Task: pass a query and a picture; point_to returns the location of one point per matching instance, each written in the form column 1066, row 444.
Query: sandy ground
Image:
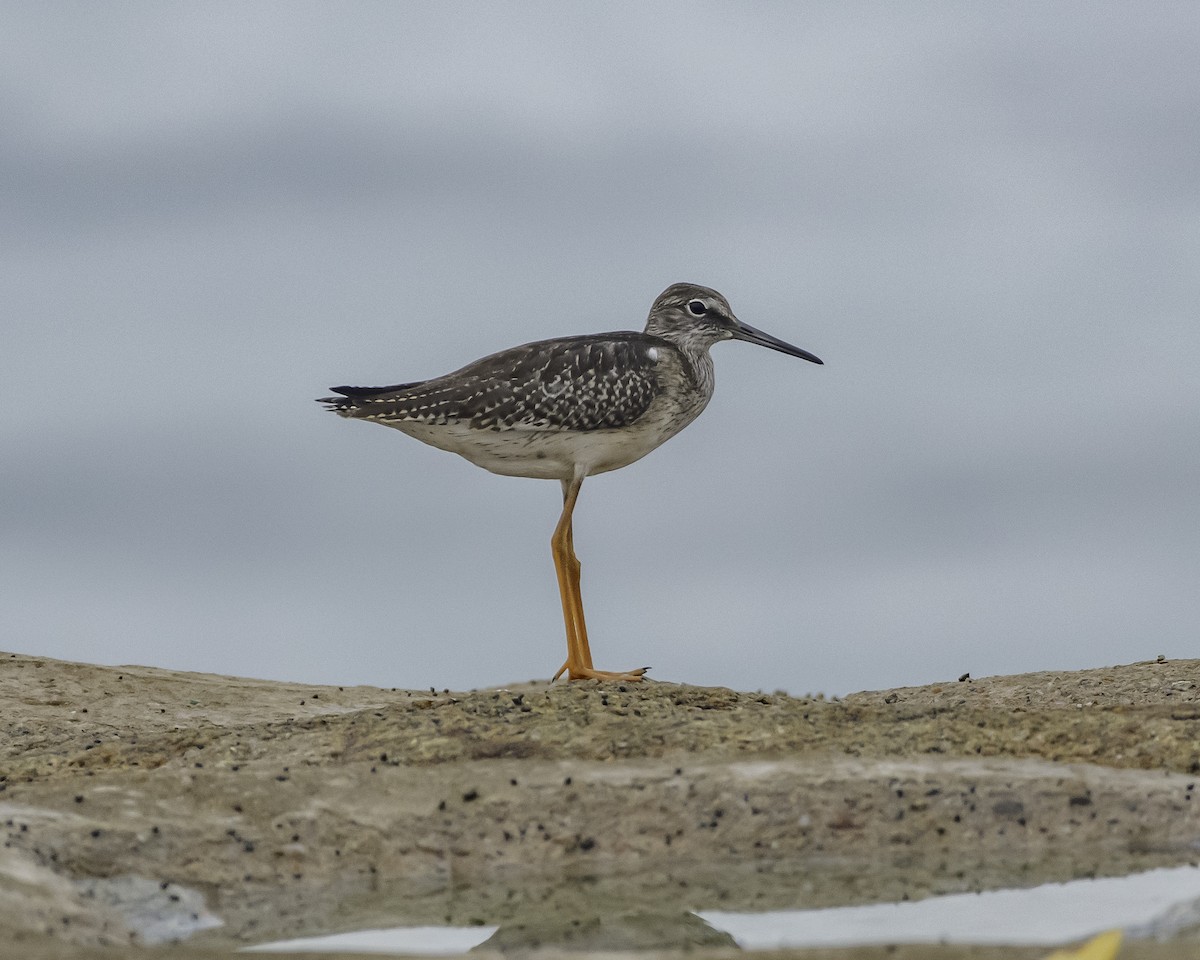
column 136, row 803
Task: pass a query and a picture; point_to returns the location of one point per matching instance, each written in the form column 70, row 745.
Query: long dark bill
column 743, row 331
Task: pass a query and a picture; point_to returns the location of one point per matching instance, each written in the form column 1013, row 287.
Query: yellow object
column 1103, row 947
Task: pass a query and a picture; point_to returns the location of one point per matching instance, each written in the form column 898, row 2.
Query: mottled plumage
column 576, row 383
column 569, row 408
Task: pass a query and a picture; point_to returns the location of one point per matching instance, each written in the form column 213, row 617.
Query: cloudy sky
column 985, row 218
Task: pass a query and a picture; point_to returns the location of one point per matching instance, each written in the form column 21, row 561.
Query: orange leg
column 566, row 565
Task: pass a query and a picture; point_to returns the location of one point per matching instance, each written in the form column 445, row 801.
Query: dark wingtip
column 348, row 391
column 337, row 404
column 346, row 400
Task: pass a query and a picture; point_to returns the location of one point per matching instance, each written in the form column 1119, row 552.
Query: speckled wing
column 599, row 382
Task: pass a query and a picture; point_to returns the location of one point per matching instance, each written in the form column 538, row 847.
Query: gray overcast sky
column 985, row 218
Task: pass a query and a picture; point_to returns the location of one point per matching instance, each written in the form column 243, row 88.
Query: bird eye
column 697, row 307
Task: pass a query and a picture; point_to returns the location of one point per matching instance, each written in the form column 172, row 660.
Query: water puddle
column 426, row 940
column 1158, row 903
column 1050, row 914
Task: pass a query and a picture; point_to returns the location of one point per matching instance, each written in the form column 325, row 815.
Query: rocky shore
column 143, row 807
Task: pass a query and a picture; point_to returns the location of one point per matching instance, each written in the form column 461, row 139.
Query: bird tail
column 348, row 402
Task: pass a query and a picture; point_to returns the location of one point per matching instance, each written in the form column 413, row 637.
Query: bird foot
column 588, row 673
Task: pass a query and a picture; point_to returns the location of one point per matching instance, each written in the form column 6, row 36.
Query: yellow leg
column 566, row 565
column 560, row 545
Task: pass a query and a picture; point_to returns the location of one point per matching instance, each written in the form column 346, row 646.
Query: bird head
column 694, row 318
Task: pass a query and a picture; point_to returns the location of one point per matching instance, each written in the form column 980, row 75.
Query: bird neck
column 691, row 344
column 698, row 365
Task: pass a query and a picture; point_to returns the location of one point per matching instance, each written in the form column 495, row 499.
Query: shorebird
column 570, row 408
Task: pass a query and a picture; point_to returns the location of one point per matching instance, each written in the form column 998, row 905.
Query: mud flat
column 141, row 807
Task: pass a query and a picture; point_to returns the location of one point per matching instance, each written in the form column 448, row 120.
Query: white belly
column 543, row 455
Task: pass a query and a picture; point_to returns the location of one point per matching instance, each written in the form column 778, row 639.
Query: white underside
column 543, row 454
